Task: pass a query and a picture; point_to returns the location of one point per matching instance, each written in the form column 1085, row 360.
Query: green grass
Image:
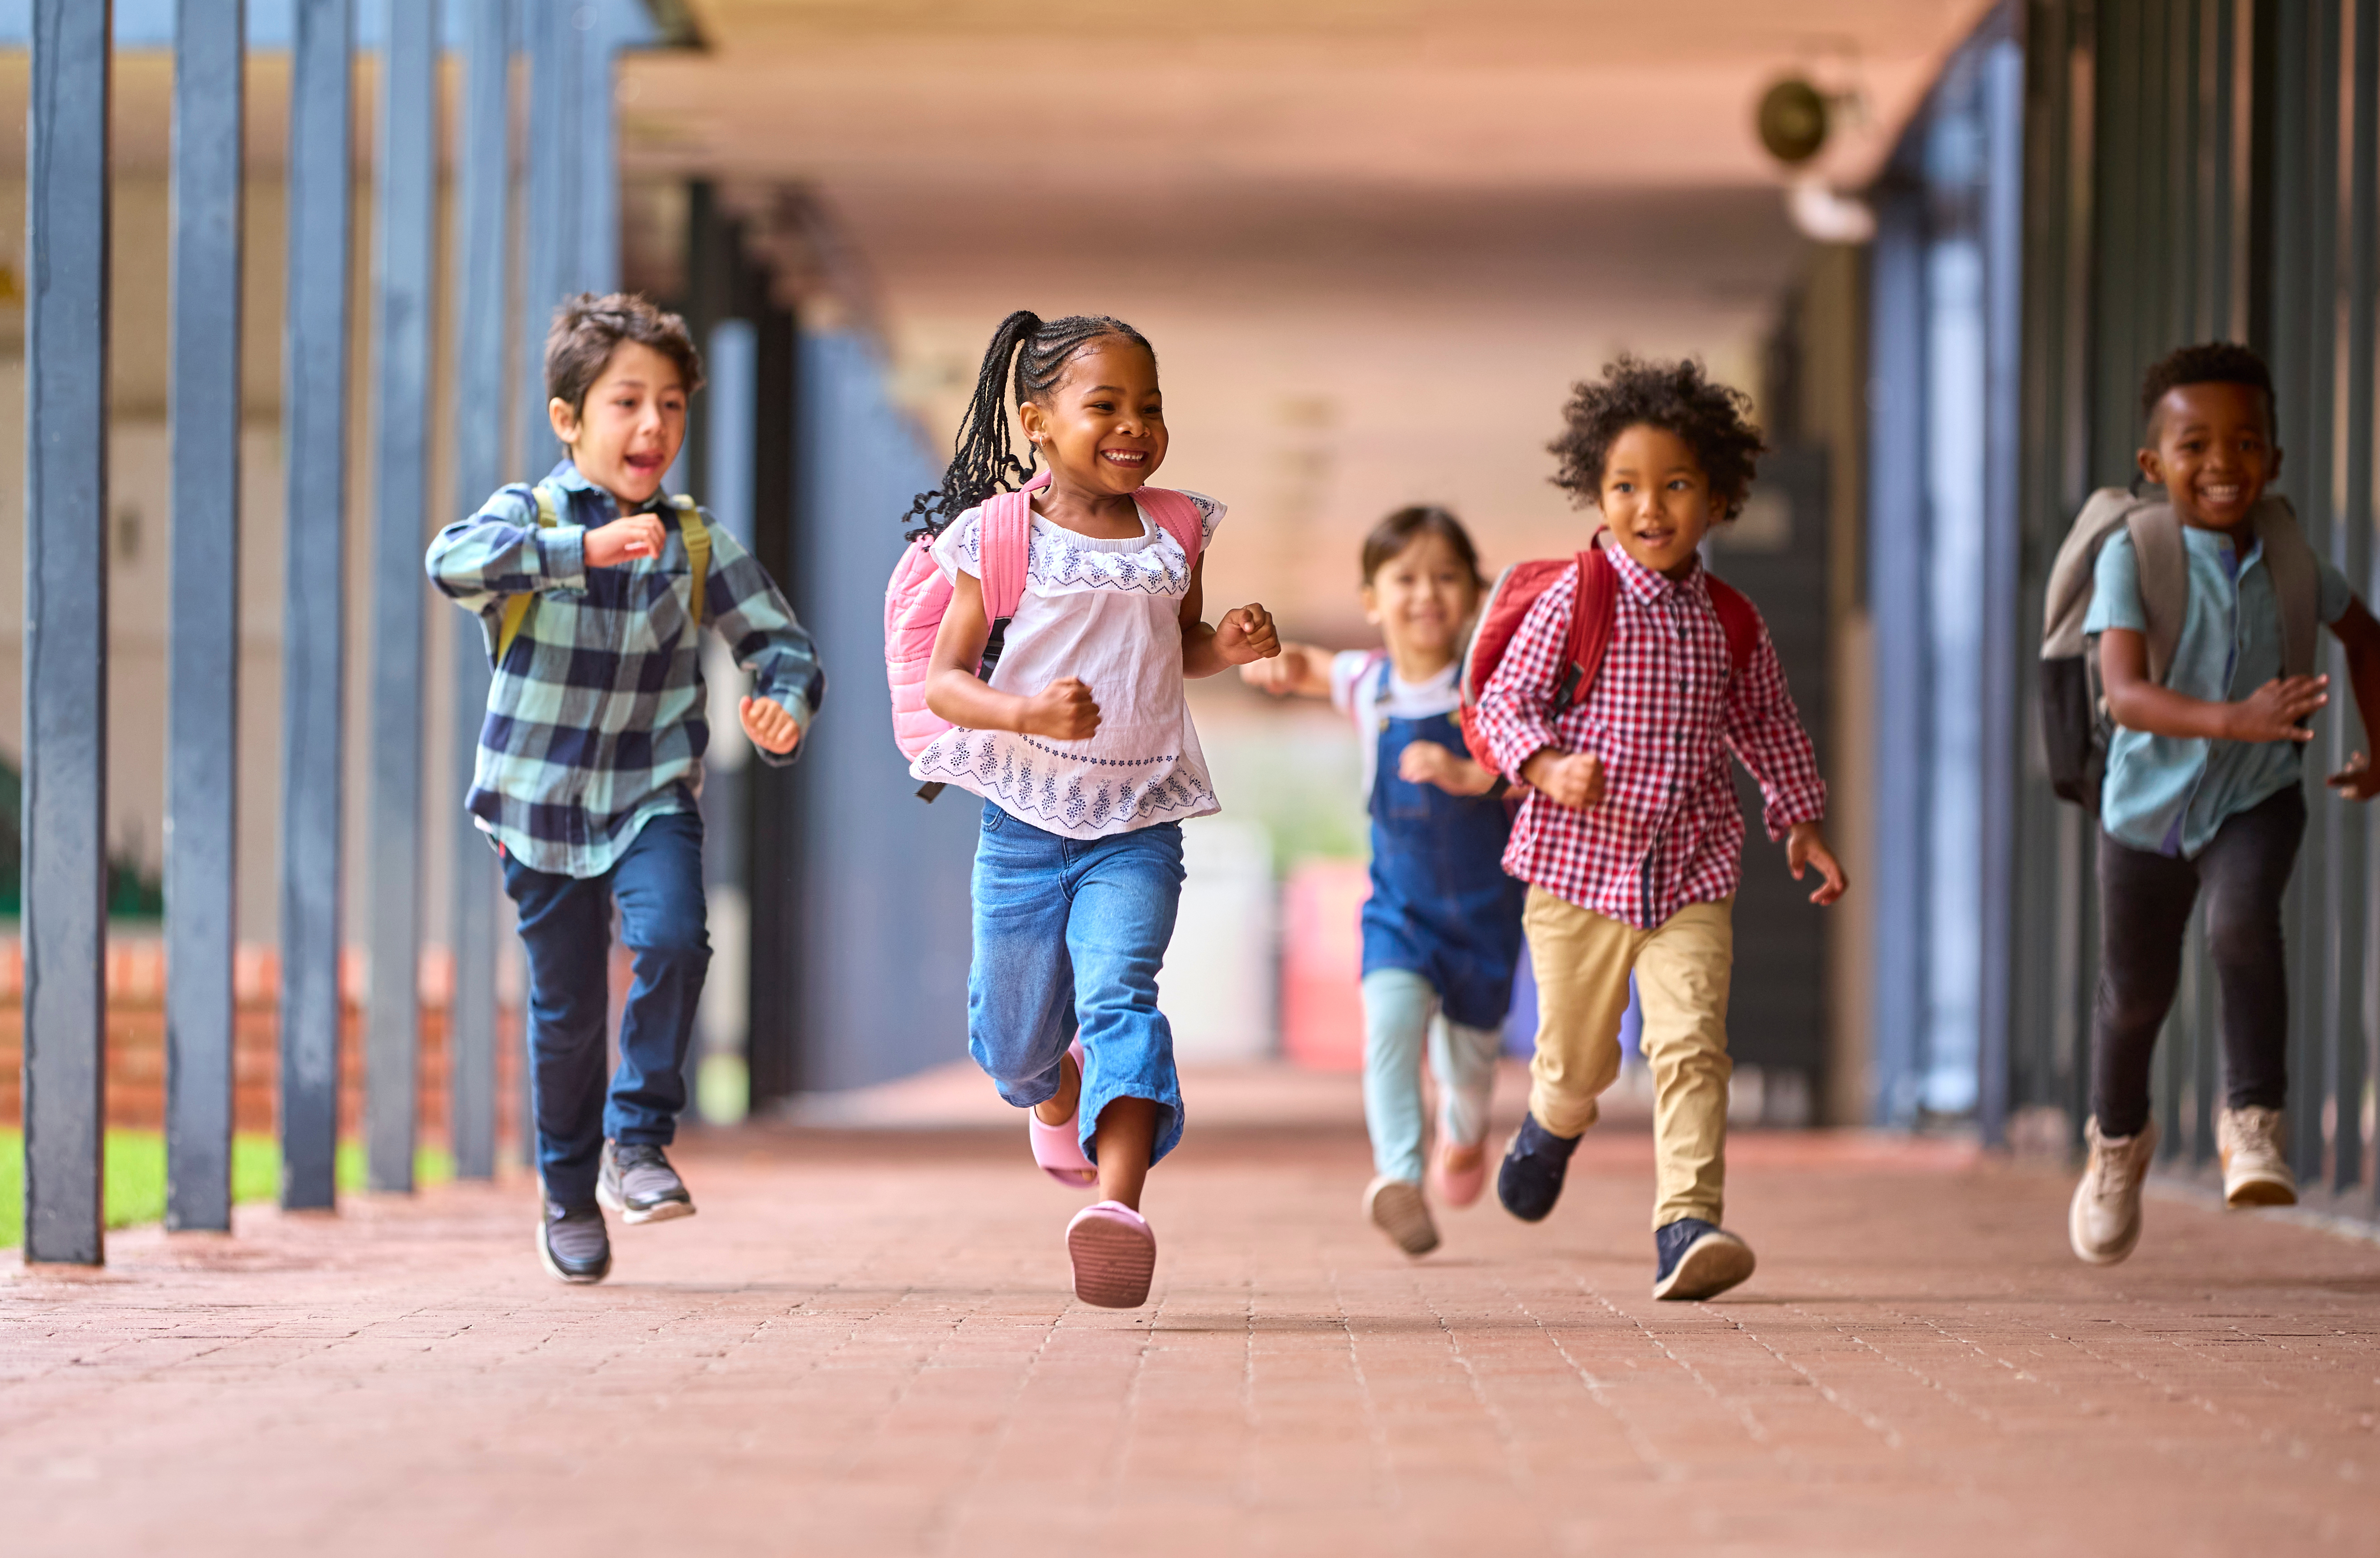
column 135, row 1175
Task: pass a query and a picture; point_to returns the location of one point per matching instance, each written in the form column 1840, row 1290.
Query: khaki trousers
column 1581, row 961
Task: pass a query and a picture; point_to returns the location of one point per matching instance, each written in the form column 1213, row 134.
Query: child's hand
column 1426, row 762
column 1280, row 675
column 1572, row 779
column 1246, row 634
column 2273, row 710
column 624, row 540
column 1062, row 711
column 1806, row 846
column 770, row 728
column 2357, row 781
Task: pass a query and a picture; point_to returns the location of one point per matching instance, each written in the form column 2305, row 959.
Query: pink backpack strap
column 1177, row 516
column 1005, row 546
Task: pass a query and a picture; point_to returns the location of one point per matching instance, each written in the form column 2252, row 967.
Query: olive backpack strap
column 697, row 537
column 516, row 607
column 2297, row 582
column 2164, row 570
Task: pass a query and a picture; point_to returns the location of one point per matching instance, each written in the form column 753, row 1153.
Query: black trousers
column 2144, row 903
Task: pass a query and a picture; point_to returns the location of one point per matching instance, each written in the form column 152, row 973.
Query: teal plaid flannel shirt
column 595, row 720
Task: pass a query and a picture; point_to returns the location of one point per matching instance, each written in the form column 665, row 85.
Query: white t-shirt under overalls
column 1110, row 613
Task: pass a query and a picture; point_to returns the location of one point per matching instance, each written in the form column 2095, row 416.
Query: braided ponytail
column 984, row 461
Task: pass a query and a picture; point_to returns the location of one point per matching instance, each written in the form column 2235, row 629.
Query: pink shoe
column 1115, row 1255
column 1460, row 1187
column 1058, row 1149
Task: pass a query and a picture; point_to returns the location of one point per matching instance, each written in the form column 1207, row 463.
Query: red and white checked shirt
column 1662, row 715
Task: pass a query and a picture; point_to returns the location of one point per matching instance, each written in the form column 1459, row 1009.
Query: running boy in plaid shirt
column 1629, row 837
column 593, row 587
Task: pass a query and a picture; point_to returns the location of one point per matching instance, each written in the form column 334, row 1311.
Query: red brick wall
column 136, row 1044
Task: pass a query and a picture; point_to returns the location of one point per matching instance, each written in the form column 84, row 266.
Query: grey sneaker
column 637, row 1183
column 2104, row 1220
column 572, row 1243
column 2255, row 1171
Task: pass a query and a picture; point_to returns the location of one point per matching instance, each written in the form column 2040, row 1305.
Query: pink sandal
column 1058, row 1149
column 1115, row 1255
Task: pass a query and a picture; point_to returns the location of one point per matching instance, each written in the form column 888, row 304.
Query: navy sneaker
column 1697, row 1260
column 572, row 1243
column 1531, row 1180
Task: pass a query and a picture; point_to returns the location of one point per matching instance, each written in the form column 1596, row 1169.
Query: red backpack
column 1592, row 615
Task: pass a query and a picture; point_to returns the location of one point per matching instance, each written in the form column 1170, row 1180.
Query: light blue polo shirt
column 2170, row 794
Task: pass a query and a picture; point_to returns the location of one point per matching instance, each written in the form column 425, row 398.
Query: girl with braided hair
column 1067, row 717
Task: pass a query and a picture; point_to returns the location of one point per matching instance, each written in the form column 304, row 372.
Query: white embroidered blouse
column 1108, row 612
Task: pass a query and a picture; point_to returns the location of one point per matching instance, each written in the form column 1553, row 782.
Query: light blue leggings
column 1399, row 1011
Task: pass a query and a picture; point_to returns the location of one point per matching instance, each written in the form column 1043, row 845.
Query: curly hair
column 984, row 463
column 2210, row 362
column 1679, row 397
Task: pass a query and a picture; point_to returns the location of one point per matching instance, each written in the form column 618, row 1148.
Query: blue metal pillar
column 202, row 713
column 1896, row 530
column 313, row 658
column 405, row 235
column 599, row 27
column 483, row 173
column 2004, row 638
column 2348, row 1014
column 65, row 819
column 553, row 263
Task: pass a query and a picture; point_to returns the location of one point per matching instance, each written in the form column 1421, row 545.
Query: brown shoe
column 1396, row 1208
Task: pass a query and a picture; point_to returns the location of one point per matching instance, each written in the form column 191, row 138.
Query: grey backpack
column 2074, row 723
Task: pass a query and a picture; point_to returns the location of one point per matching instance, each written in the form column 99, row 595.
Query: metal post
column 2352, row 551
column 1896, row 593
column 313, row 658
column 403, row 232
column 552, row 243
column 481, row 347
column 2316, row 960
column 2002, row 754
column 202, row 713
column 598, row 138
column 65, row 819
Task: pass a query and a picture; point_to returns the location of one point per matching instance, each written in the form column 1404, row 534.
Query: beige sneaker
column 2104, row 1221
column 1396, row 1208
column 2255, row 1171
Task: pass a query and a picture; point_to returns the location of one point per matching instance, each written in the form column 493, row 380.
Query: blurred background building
column 1375, row 244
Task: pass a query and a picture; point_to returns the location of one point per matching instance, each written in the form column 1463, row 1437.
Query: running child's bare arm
column 2359, row 635
column 1245, row 635
column 1298, row 671
column 2269, row 714
column 1064, row 711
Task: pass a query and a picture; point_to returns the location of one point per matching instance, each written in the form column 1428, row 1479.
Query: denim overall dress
column 1442, row 904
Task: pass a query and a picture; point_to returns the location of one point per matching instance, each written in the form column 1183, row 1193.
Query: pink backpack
column 918, row 595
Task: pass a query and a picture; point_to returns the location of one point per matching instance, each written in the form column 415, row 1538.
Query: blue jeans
column 566, row 923
column 1401, row 1014
column 1069, row 933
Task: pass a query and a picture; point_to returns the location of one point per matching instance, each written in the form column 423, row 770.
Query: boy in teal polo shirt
column 2203, row 791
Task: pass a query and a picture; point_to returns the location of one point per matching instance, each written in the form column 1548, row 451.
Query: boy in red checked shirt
column 1630, row 835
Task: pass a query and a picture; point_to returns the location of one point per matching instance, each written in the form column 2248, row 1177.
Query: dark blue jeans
column 566, row 923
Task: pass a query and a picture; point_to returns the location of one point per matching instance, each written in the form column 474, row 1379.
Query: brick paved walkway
column 864, row 1347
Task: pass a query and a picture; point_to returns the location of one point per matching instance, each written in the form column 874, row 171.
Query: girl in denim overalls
column 1442, row 928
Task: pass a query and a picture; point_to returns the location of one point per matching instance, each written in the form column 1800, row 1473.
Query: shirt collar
column 1647, row 586
column 2217, row 545
column 570, row 479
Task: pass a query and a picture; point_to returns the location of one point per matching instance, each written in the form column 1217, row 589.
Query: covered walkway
column 864, row 1347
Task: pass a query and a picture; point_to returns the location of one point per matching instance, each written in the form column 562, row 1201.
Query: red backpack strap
column 1738, row 618
column 1177, row 516
column 1005, row 545
column 1591, row 616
